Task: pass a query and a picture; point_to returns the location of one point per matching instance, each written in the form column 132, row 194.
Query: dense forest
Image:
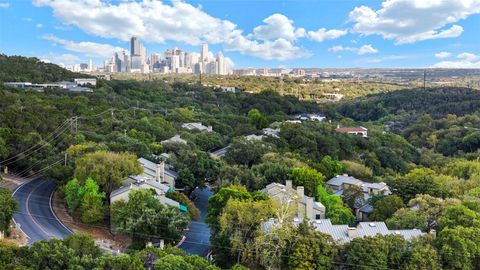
column 423, row 143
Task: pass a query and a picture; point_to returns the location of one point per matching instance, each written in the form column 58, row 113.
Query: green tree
column 8, row 206
column 309, row 178
column 247, row 152
column 91, row 206
column 330, row 167
column 353, row 196
column 367, row 253
column 257, row 119
column 144, row 218
column 459, row 247
column 312, row 250
column 72, row 195
column 385, row 207
column 109, row 169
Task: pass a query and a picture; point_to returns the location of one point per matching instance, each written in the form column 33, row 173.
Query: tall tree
column 8, row 206
column 109, row 169
column 309, row 178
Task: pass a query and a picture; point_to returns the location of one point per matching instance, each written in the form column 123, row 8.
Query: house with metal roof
column 161, row 173
column 343, row 234
column 197, row 126
column 341, row 182
column 174, row 139
column 285, row 194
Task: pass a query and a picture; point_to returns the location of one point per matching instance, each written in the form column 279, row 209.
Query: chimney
column 288, row 184
column 352, row 232
column 338, row 126
column 300, row 192
column 309, row 208
column 433, row 233
column 159, row 171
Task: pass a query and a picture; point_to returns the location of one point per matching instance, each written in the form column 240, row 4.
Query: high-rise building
column 134, row 46
column 221, row 69
column 90, row 64
column 204, row 53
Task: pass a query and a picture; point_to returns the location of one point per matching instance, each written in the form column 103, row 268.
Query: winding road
column 35, row 216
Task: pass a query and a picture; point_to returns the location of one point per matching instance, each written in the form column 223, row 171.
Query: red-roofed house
column 353, row 130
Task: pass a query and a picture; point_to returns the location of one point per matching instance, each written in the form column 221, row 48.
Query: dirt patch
column 18, row 237
column 101, row 233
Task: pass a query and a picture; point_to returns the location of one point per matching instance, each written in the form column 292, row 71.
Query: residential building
column 343, row 234
column 272, row 132
column 197, row 126
column 306, row 206
column 174, row 139
column 161, row 173
column 311, row 116
column 339, row 183
column 85, row 81
column 353, row 130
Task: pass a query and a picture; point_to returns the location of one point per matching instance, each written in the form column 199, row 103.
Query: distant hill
column 31, row 69
column 412, row 103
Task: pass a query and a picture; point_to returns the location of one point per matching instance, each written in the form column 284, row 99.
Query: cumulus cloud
column 410, row 21
column 457, row 64
column 90, row 49
column 323, row 34
column 468, row 56
column 4, row 5
column 365, row 49
column 443, row 55
column 156, row 22
column 278, row 26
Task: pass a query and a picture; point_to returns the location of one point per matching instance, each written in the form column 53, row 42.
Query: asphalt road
column 35, row 215
column 198, row 236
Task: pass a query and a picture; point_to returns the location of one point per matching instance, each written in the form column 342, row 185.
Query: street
column 35, row 216
column 198, row 236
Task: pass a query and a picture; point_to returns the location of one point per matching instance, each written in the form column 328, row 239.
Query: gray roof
column 339, row 233
column 142, row 182
column 343, row 179
column 150, row 167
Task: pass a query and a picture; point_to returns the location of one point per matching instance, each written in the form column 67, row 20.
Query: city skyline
column 294, row 34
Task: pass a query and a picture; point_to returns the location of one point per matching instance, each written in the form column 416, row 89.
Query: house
column 220, row 152
column 311, row 117
column 353, row 130
column 174, row 139
column 307, row 207
column 254, row 137
column 160, row 193
column 340, row 182
column 343, row 234
column 160, row 173
column 85, row 81
column 272, row 132
column 197, row 126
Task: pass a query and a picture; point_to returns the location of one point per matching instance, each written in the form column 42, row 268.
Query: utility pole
column 66, row 156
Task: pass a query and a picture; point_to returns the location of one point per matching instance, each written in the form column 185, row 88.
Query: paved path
column 198, row 236
column 35, row 215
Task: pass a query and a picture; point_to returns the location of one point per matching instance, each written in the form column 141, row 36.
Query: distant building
column 272, row 132
column 353, row 130
column 161, row 173
column 362, row 208
column 174, row 139
column 343, row 234
column 197, row 126
column 306, row 207
column 85, row 81
column 312, row 117
column 254, row 137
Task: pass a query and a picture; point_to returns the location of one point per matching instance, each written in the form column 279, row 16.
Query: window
column 318, row 217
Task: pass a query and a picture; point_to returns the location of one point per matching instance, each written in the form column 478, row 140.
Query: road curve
column 35, row 216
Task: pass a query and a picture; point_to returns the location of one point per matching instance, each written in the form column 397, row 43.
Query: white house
column 311, row 116
column 84, row 81
column 306, row 206
column 160, row 173
column 197, row 126
column 272, row 132
column 174, row 139
column 353, row 130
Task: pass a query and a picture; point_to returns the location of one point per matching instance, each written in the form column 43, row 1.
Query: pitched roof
column 351, row 129
column 344, row 179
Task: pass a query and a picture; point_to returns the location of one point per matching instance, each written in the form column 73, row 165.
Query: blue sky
column 265, row 33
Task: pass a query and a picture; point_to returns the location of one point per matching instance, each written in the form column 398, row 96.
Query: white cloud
column 468, row 56
column 39, row 25
column 90, row 49
column 443, row 55
column 323, row 34
column 156, row 22
column 457, row 64
column 409, row 21
column 65, row 59
column 278, row 26
column 4, row 5
column 365, row 49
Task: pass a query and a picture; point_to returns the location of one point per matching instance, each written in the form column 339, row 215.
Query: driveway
column 198, row 236
column 35, row 216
